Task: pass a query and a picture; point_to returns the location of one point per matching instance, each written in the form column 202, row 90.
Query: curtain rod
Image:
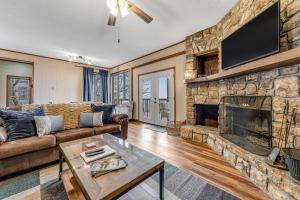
column 94, row 67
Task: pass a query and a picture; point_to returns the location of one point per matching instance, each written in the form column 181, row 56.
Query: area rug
column 156, row 128
column 179, row 185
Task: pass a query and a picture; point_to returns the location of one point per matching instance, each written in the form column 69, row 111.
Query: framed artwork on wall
column 19, row 90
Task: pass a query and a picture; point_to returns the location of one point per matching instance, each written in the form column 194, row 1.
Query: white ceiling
column 58, row 28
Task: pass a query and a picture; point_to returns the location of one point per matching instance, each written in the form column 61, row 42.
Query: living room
column 124, row 99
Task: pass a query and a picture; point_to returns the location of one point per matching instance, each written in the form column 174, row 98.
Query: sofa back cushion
column 70, row 112
column 49, row 124
column 19, row 128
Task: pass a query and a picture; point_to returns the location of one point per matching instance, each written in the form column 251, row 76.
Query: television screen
column 256, row 39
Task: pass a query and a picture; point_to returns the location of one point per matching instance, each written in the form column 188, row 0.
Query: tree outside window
column 120, row 87
column 97, row 88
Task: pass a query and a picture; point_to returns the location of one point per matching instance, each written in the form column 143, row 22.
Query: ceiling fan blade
column 144, row 16
column 111, row 20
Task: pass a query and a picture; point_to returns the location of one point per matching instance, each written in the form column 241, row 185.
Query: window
column 120, row 89
column 98, row 94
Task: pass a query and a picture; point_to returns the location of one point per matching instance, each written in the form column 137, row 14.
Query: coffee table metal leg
column 61, row 160
column 161, row 182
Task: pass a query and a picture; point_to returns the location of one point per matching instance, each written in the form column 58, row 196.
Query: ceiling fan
column 122, row 6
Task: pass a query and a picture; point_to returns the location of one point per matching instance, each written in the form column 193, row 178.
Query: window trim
column 112, row 76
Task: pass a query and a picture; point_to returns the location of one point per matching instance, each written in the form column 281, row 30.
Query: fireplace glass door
column 247, row 122
column 156, row 97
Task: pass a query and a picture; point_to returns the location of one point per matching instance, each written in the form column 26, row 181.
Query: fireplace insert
column 247, row 122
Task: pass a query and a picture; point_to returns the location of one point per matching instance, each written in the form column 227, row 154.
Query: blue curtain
column 88, row 84
column 104, row 83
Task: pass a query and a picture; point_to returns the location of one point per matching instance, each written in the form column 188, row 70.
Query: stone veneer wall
column 240, row 14
column 281, row 83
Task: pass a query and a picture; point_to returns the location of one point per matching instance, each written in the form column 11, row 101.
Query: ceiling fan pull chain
column 118, row 34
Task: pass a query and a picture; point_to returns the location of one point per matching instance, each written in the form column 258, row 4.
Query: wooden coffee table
column 141, row 165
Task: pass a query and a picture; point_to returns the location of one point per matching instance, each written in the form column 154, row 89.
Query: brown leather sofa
column 34, row 151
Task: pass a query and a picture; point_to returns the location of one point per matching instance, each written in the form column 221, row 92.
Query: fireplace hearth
column 247, row 122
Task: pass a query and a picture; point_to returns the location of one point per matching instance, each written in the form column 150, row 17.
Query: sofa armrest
column 122, row 119
column 119, row 117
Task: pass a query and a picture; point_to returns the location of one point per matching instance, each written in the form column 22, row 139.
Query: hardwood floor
column 198, row 159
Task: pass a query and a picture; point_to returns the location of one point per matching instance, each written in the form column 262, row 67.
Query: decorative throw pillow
column 124, row 108
column 9, row 114
column 3, row 135
column 19, row 128
column 107, row 112
column 1, row 122
column 28, row 115
column 38, row 111
column 48, row 124
column 90, row 119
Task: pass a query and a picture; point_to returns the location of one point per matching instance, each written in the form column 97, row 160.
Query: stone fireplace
column 247, row 122
column 251, row 104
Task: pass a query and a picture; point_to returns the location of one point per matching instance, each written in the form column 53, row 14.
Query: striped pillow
column 90, row 119
column 48, row 124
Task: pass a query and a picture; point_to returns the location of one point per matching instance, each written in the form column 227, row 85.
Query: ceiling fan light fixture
column 112, row 4
column 114, row 11
column 124, row 10
column 123, row 7
column 81, row 59
column 118, row 5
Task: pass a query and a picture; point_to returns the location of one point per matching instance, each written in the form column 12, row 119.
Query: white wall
column 178, row 62
column 54, row 80
column 15, row 69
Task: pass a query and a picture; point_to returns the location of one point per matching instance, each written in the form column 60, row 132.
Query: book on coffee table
column 107, row 151
column 101, row 167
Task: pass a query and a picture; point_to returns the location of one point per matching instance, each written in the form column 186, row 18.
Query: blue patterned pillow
column 9, row 114
column 19, row 128
column 107, row 112
column 38, row 111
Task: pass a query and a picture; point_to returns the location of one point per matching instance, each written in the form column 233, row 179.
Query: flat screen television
column 256, row 39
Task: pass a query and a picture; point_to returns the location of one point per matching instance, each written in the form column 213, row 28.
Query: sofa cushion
column 107, row 128
column 21, row 146
column 73, row 134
